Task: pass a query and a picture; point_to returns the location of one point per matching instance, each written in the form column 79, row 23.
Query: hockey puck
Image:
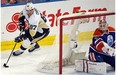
column 5, row 65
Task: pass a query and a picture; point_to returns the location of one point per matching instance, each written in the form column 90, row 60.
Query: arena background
column 9, row 19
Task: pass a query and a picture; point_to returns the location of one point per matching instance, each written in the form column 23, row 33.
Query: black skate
column 34, row 48
column 17, row 53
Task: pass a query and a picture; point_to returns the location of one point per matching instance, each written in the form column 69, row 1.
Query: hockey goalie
column 101, row 50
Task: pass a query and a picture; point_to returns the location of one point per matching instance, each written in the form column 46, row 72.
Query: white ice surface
column 27, row 64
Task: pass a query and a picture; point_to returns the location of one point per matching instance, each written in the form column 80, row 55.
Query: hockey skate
column 33, row 48
column 18, row 52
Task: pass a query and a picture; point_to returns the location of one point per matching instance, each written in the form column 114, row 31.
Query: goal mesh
column 59, row 53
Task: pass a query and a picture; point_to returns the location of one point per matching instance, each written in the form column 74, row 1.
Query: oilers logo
column 110, row 40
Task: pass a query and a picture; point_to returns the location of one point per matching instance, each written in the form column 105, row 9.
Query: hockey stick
column 5, row 64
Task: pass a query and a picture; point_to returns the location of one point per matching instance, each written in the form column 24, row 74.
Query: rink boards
column 48, row 41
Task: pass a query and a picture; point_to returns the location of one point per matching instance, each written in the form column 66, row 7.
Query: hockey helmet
column 103, row 25
column 29, row 6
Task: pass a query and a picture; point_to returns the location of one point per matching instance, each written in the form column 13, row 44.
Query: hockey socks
column 20, row 51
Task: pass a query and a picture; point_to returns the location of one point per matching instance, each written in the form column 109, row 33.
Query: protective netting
column 84, row 28
column 50, row 63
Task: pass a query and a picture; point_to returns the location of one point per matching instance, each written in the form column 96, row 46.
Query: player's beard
column 30, row 13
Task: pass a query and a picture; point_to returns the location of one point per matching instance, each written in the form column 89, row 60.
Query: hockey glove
column 22, row 28
column 108, row 50
column 22, row 23
column 18, row 39
column 111, row 52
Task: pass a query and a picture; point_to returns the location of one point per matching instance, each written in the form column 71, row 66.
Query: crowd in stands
column 11, row 2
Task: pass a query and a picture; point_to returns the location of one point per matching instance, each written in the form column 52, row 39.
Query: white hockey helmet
column 29, row 6
column 103, row 25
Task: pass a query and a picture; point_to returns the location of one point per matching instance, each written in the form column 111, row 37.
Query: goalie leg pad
column 90, row 67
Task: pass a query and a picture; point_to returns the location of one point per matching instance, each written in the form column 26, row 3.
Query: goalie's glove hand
column 18, row 39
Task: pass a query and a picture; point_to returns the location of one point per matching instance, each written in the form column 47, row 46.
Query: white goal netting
column 80, row 27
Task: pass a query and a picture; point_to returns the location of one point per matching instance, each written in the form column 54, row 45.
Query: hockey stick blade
column 5, row 65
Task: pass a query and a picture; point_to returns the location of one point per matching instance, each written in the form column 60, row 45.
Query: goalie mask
column 29, row 6
column 103, row 25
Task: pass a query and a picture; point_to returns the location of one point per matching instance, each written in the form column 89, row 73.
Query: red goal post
column 74, row 16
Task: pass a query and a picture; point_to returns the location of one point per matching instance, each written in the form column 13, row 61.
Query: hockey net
column 79, row 26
